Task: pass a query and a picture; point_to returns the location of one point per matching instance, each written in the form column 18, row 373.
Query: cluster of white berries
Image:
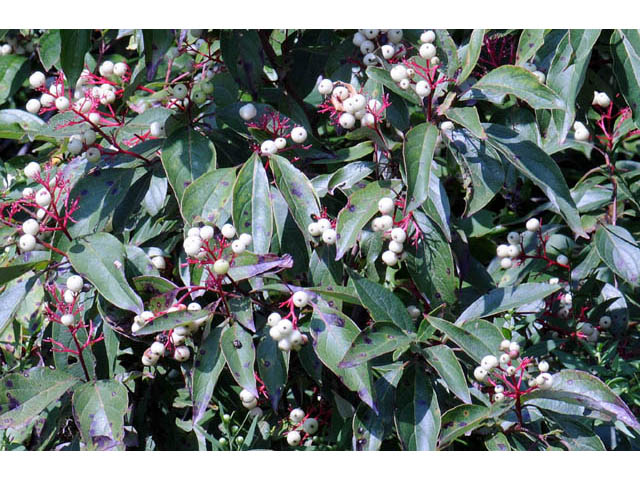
column 368, row 40
column 352, row 105
column 177, row 338
column 309, row 426
column 504, row 364
column 511, row 250
column 271, row 147
column 322, row 228
column 195, row 236
column 282, row 330
column 591, row 332
column 406, row 77
column 77, row 143
column 566, row 302
column 580, row 132
column 74, row 287
column 384, row 223
column 600, row 99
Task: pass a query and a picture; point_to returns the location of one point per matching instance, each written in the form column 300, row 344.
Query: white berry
column 247, row 112
column 325, row 87
column 221, row 266
column 67, row 320
column 237, row 247
column 329, row 236
column 228, row 231
column 37, row 80
column 533, row 224
column 390, row 258
column 385, row 205
column 299, row 134
column 192, row 245
column 31, row 226
column 427, row 51
column 182, row 353
column 300, row 299
column 294, row 438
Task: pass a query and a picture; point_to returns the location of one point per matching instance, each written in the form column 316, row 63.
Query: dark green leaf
column 619, row 250
column 75, row 43
column 444, row 361
column 419, row 145
column 374, row 341
column 418, row 415
column 240, row 355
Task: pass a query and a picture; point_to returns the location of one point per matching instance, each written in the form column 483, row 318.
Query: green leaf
column 12, row 74
column 100, row 258
column 471, row 54
column 534, row 163
column 206, row 198
column 373, row 342
column 186, row 156
column 567, row 73
column 619, row 250
column 240, row 355
column 99, row 409
column 243, row 56
column 208, row 365
column 518, row 81
column 333, row 333
column 447, row 52
column 75, row 43
column 467, row 117
column 444, row 361
column 625, row 52
column 18, row 124
column 580, row 388
column 472, row 345
column 504, row 299
column 98, row 197
column 576, row 435
column 419, row 146
column 418, row 415
column 382, row 304
column 530, row 41
column 24, row 395
column 432, row 254
column 483, row 174
column 272, row 367
column 498, row 443
column 49, row 48
column 169, row 321
column 12, row 272
column 360, row 208
column 252, row 210
column 297, row 191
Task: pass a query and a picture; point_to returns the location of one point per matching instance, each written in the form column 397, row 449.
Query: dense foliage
column 322, row 240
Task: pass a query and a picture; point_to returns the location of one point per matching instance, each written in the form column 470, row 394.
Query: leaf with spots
column 619, row 250
column 373, row 342
column 98, row 195
column 252, row 209
column 369, row 429
column 360, row 209
column 580, row 388
column 333, row 333
column 100, row 258
column 418, row 412
column 240, row 354
column 273, row 365
column 186, row 156
column 382, row 304
column 297, row 191
column 207, row 197
column 445, row 362
column 249, row 265
column 498, row 443
column 465, row 418
column 25, row 394
column 419, row 146
column 528, row 44
column 99, row 409
column 207, row 367
column 242, row 311
column 430, row 263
